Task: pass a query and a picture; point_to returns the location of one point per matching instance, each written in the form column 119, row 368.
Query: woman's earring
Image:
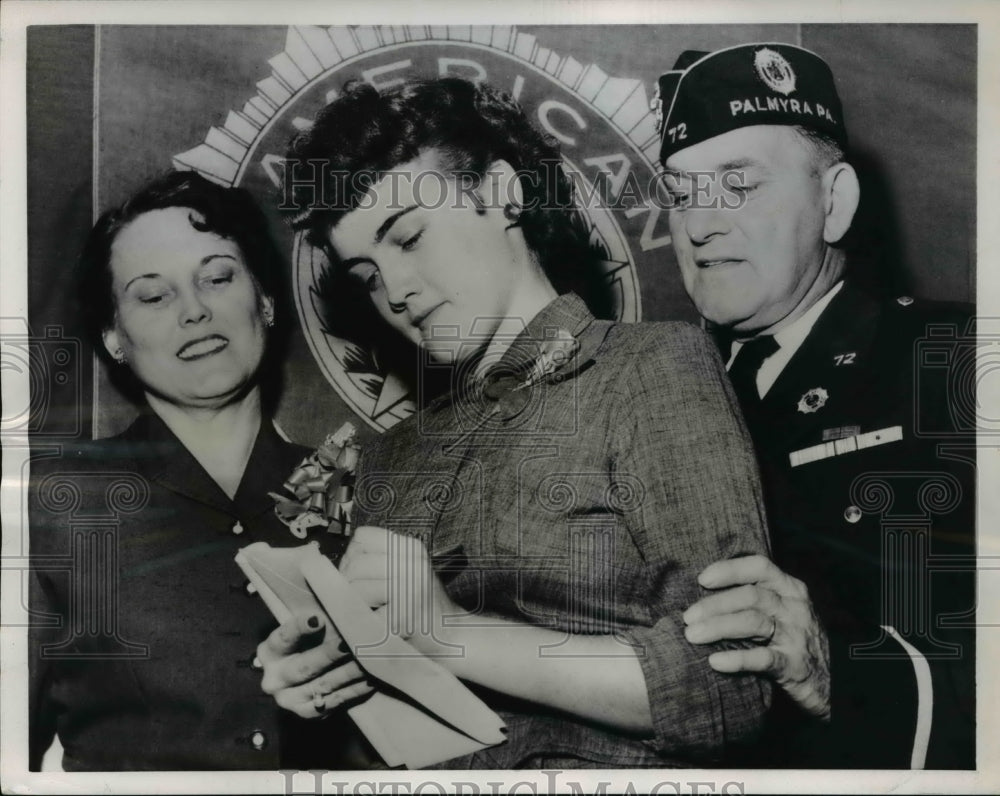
column 513, row 214
column 269, row 318
column 478, row 202
column 119, row 357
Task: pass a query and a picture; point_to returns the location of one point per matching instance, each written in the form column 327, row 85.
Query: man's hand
column 760, row 602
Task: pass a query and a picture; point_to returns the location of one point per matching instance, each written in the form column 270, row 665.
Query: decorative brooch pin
column 555, row 355
column 323, row 485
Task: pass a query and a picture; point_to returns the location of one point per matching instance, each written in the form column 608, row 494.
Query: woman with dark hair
column 228, row 213
column 583, row 472
column 143, row 652
column 469, row 138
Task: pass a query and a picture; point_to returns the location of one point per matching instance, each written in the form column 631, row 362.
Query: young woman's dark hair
column 366, row 132
column 230, row 213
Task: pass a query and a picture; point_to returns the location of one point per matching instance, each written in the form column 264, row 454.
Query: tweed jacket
column 144, row 633
column 588, row 502
column 869, row 477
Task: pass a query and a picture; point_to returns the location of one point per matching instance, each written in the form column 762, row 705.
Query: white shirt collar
column 789, row 339
column 791, row 336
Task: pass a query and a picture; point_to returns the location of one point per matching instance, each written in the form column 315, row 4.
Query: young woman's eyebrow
column 137, row 278
column 381, row 232
column 209, row 257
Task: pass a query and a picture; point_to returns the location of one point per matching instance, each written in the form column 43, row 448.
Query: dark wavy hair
column 230, row 213
column 367, row 132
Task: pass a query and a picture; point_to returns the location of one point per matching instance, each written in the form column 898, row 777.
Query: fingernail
column 313, row 622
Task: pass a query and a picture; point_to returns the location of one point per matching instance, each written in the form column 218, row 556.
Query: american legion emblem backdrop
column 110, row 107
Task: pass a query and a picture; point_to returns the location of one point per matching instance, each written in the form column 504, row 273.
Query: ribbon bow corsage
column 323, row 485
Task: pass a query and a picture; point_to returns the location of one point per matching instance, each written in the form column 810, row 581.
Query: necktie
column 743, row 373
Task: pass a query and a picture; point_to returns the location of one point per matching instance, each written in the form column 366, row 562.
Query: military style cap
column 707, row 94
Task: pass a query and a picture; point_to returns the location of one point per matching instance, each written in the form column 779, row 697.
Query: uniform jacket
column 144, row 636
column 588, row 502
column 882, row 532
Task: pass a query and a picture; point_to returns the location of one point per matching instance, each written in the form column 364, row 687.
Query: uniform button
column 258, row 740
column 852, row 514
column 238, row 527
column 256, row 663
column 250, row 588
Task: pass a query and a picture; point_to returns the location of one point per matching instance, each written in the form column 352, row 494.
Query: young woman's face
column 189, row 315
column 440, row 269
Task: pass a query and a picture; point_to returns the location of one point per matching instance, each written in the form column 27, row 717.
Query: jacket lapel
column 160, row 457
column 819, row 388
column 270, row 455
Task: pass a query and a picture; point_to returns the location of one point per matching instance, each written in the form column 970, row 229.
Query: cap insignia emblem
column 773, row 68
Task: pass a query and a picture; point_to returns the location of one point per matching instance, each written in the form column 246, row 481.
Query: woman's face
column 438, row 270
column 189, row 316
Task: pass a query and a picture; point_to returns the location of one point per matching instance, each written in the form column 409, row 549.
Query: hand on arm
column 594, row 677
column 757, row 601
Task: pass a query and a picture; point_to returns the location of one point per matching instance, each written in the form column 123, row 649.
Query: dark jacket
column 144, row 634
column 882, row 535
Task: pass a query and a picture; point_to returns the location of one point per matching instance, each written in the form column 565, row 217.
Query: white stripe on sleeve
column 925, row 699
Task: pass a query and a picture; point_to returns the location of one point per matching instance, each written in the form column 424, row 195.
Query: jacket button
column 258, row 740
column 250, row 588
column 237, row 527
column 852, row 514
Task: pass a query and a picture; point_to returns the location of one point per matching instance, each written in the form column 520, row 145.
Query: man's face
column 748, row 229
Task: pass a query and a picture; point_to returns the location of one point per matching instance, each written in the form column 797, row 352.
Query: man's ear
column 112, row 343
column 501, row 186
column 841, row 194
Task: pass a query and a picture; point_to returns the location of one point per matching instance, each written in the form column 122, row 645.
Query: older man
column 865, row 614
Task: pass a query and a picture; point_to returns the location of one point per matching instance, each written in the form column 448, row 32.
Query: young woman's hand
column 393, row 572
